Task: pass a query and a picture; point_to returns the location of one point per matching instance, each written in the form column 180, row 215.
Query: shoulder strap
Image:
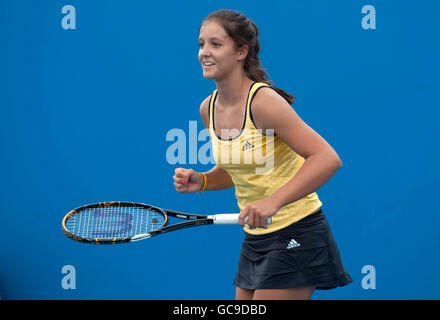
column 255, row 87
column 211, row 109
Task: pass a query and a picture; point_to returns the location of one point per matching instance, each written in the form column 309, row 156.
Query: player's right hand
column 187, row 180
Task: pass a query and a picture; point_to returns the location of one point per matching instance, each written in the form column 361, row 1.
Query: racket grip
column 232, row 218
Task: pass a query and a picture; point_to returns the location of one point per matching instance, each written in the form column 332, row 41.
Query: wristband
column 205, row 182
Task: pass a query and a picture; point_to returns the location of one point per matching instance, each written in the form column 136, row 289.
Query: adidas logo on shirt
column 247, row 145
column 293, row 244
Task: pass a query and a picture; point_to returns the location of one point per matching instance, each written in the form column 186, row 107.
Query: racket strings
column 114, row 222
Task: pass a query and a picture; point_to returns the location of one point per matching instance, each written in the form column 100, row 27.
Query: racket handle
column 232, row 218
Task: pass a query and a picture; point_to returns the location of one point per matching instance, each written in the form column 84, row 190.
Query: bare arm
column 271, row 111
column 188, row 180
column 322, row 161
column 217, row 177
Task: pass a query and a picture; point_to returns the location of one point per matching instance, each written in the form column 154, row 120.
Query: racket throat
column 141, row 236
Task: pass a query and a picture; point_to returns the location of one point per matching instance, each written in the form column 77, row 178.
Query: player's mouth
column 208, row 64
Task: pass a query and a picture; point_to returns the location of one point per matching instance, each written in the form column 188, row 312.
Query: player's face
column 217, row 53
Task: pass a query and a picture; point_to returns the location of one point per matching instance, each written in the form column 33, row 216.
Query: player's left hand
column 257, row 213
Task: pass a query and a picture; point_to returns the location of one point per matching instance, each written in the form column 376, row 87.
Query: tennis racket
column 122, row 222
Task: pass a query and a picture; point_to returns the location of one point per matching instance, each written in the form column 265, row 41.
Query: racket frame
column 194, row 220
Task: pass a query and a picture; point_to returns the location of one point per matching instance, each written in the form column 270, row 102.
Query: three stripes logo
column 247, row 145
column 293, row 244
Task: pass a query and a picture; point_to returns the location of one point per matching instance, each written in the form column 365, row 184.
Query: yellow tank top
column 259, row 164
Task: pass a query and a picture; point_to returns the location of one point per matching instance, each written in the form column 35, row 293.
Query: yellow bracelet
column 205, row 182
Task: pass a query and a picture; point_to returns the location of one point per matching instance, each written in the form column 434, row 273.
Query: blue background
column 85, row 113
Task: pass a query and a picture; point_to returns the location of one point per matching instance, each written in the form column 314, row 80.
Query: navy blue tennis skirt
column 301, row 255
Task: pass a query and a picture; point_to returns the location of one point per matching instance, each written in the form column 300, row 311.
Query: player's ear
column 242, row 52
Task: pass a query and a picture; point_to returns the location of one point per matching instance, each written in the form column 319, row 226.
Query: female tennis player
column 248, row 118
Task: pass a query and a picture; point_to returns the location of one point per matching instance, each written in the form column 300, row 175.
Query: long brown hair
column 244, row 31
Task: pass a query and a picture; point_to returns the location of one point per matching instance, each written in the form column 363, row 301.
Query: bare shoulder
column 269, row 109
column 204, row 110
column 268, row 94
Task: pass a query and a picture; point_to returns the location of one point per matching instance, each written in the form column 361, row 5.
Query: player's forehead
column 212, row 30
